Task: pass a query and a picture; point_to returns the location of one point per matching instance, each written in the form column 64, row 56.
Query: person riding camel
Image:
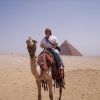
column 50, row 43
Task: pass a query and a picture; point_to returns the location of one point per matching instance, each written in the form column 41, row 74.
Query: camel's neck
column 33, row 66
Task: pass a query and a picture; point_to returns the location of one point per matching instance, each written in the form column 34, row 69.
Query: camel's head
column 31, row 46
column 31, row 43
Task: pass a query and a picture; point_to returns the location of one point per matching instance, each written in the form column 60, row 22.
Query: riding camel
column 44, row 72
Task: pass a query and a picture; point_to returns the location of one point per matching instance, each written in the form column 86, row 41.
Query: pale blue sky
column 77, row 21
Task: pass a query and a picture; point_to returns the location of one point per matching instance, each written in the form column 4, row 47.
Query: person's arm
column 55, row 42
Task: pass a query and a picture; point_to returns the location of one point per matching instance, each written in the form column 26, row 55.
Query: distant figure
column 50, row 43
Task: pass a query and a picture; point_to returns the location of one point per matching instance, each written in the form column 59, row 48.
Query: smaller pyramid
column 68, row 49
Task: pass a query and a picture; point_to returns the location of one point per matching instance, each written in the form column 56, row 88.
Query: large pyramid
column 68, row 49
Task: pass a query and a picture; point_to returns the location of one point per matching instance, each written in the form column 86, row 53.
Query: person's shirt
column 52, row 39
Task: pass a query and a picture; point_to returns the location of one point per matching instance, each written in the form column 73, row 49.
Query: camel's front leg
column 38, row 81
column 50, row 89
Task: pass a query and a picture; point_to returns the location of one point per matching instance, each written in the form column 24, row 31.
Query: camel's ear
column 26, row 41
column 35, row 41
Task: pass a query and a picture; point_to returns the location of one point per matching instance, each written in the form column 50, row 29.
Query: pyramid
column 68, row 49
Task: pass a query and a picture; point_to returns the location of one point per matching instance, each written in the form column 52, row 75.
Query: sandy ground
column 82, row 77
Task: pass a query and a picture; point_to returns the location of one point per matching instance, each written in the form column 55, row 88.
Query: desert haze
column 82, row 78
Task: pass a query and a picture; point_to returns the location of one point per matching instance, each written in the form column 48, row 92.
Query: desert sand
column 82, row 77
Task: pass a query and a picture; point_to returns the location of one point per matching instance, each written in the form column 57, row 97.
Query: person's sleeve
column 56, row 40
column 42, row 42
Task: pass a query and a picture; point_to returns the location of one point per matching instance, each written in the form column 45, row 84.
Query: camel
column 43, row 76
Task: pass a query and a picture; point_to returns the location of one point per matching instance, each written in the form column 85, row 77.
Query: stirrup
column 61, row 73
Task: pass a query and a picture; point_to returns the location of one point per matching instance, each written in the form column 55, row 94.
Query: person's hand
column 43, row 45
column 54, row 46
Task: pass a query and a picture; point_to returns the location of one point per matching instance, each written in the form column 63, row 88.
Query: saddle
column 45, row 59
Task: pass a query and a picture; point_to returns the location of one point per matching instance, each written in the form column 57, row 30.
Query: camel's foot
column 51, row 96
column 45, row 85
column 39, row 97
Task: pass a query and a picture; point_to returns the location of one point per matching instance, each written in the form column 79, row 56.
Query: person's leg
column 57, row 59
column 62, row 65
column 59, row 64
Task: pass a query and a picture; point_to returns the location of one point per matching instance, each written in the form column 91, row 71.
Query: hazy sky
column 77, row 21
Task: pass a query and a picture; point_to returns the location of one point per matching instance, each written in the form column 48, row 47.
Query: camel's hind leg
column 50, row 89
column 38, row 81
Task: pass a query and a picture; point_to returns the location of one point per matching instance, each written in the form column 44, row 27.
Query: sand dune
column 82, row 77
